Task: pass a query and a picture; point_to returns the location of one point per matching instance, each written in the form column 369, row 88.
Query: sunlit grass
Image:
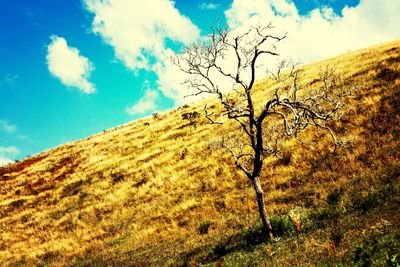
column 140, row 193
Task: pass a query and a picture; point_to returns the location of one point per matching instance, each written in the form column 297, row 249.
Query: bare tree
column 290, row 110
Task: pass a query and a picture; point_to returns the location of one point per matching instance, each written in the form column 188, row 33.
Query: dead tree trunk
column 288, row 113
column 261, row 207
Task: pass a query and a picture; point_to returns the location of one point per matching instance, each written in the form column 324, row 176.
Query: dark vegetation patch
column 117, row 177
column 392, row 60
column 286, row 158
column 67, row 161
column 12, row 206
column 361, row 196
column 293, row 182
column 192, row 119
column 392, row 50
column 190, row 115
column 379, row 248
column 69, row 164
column 313, row 82
column 242, row 241
column 361, row 73
column 16, row 204
column 346, row 209
column 204, row 227
column 388, row 75
column 72, row 189
column 387, row 118
column 142, row 179
column 41, row 185
column 19, row 166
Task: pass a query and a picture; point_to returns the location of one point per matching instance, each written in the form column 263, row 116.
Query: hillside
column 159, row 191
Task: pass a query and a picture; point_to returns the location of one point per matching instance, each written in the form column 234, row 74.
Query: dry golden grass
column 137, row 194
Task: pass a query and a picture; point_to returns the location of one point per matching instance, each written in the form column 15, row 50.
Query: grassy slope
column 140, row 194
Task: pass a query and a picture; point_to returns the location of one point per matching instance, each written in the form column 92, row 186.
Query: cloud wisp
column 147, row 103
column 7, row 127
column 6, row 153
column 71, row 68
column 208, row 6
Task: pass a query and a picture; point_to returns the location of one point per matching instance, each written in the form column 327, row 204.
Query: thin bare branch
column 208, row 116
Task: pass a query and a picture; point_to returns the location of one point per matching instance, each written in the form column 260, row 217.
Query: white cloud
column 6, row 153
column 138, row 29
column 208, row 6
column 7, row 127
column 147, row 103
column 8, row 150
column 322, row 33
column 69, row 66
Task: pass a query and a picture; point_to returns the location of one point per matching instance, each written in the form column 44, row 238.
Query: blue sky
column 71, row 68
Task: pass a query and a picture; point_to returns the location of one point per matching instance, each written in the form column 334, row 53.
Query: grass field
column 161, row 192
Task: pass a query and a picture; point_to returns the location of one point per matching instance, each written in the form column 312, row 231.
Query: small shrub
column 72, row 189
column 183, row 222
column 205, row 226
column 83, row 196
column 49, row 257
column 219, row 172
column 286, row 158
column 255, row 234
column 336, row 235
column 116, row 177
column 361, row 201
column 191, row 117
column 281, row 226
column 220, row 250
column 184, row 153
column 207, row 185
column 334, row 197
column 142, row 180
column 220, row 204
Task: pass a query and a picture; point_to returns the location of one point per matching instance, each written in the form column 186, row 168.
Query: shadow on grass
column 243, row 241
